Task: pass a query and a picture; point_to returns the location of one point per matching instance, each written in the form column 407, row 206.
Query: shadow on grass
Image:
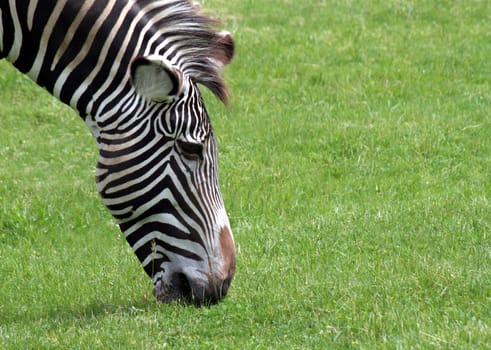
column 91, row 311
column 68, row 313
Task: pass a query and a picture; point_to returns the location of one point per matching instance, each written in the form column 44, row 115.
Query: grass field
column 355, row 163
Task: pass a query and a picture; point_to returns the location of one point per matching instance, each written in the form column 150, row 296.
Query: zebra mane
column 203, row 52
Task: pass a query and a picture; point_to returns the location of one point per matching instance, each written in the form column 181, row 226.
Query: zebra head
column 158, row 176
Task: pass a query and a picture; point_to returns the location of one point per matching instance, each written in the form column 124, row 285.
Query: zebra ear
column 155, row 78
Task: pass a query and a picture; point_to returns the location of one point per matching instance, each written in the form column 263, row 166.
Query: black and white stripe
column 131, row 69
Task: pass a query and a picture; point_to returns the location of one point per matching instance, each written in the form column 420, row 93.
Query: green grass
column 356, row 168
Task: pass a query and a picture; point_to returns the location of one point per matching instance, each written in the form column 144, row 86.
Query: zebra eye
column 190, row 150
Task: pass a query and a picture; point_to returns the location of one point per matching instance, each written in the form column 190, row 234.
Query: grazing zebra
column 131, row 69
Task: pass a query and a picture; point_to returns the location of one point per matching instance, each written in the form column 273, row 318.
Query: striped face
column 158, row 176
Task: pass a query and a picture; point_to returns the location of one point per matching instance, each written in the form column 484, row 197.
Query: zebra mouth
column 180, row 288
column 176, row 289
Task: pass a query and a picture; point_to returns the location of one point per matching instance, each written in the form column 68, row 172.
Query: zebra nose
column 196, row 291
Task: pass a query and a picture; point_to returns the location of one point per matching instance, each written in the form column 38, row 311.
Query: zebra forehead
column 192, row 120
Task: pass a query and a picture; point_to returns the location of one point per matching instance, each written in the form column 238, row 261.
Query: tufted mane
column 202, row 51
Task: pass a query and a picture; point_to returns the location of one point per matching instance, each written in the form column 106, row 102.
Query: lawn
column 355, row 164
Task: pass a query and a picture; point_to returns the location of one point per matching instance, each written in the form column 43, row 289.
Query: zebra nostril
column 192, row 291
column 180, row 284
column 183, row 282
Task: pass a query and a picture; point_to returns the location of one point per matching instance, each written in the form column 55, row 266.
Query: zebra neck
column 67, row 47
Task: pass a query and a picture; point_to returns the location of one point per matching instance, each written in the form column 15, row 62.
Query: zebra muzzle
column 201, row 282
column 181, row 287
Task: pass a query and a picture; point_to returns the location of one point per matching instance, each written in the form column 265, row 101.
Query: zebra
column 131, row 70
